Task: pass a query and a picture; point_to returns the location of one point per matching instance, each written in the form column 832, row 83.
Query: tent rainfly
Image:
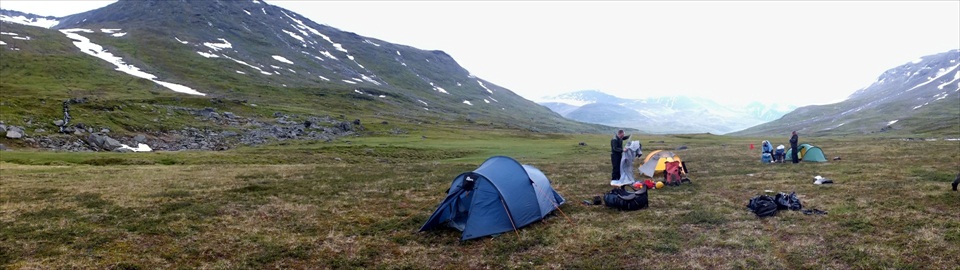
column 501, row 195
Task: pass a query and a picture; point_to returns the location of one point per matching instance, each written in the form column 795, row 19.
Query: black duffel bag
column 763, row 206
column 624, row 200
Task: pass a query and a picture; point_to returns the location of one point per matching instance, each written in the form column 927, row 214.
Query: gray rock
column 3, row 147
column 96, row 139
column 111, row 144
column 3, row 128
column 229, row 115
column 39, row 130
column 140, row 138
column 58, row 123
column 105, row 130
column 13, row 134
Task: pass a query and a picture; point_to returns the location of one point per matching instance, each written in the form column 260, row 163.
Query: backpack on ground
column 672, row 174
column 621, row 199
column 763, row 206
column 790, row 201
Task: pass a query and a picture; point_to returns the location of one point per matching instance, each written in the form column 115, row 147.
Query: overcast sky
column 796, row 52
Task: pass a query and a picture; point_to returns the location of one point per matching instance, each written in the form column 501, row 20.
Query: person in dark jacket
column 793, row 147
column 616, row 153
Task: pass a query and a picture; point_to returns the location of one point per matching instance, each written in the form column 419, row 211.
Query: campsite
column 359, row 202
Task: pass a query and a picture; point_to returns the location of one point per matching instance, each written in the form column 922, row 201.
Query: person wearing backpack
column 793, row 147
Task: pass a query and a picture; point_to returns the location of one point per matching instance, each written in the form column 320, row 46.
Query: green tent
column 808, row 153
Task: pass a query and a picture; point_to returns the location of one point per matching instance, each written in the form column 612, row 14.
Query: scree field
column 358, row 202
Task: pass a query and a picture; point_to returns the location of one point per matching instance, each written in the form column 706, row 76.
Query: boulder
column 345, row 126
column 140, row 138
column 95, row 139
column 14, row 134
column 58, row 123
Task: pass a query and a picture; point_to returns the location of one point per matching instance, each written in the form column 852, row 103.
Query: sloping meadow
column 360, row 204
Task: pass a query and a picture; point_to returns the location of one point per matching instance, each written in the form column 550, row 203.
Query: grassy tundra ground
column 360, row 203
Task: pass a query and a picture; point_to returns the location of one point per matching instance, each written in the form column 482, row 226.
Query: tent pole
column 555, row 205
column 510, row 216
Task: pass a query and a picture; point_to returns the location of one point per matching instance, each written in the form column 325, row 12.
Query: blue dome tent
column 501, row 195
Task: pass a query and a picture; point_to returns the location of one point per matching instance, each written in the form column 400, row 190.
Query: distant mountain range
column 920, row 98
column 673, row 115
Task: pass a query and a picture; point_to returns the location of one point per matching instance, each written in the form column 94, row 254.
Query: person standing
column 616, row 153
column 793, row 147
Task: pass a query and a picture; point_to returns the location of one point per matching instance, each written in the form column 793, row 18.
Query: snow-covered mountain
column 916, row 98
column 676, row 114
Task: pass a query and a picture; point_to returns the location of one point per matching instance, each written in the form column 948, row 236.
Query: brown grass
column 890, row 208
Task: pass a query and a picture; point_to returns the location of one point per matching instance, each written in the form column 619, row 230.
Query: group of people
column 768, row 154
column 617, row 150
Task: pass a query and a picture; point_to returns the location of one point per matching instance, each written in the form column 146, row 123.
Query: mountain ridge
column 663, row 114
column 265, row 59
column 917, row 98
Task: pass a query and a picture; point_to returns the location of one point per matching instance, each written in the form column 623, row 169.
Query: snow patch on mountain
column 249, row 65
column 97, row 51
column 219, row 46
column 282, row 59
column 485, row 87
column 940, row 73
column 294, row 35
column 439, row 89
column 208, row 55
column 38, row 22
column 956, row 76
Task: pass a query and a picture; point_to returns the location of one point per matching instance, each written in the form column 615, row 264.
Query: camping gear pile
column 819, row 180
column 779, row 155
column 765, row 206
column 660, row 163
column 805, row 152
column 501, row 195
column 766, row 152
column 667, row 163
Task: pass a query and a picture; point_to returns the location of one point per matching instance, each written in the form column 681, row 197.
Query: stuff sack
column 763, row 206
column 621, row 199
